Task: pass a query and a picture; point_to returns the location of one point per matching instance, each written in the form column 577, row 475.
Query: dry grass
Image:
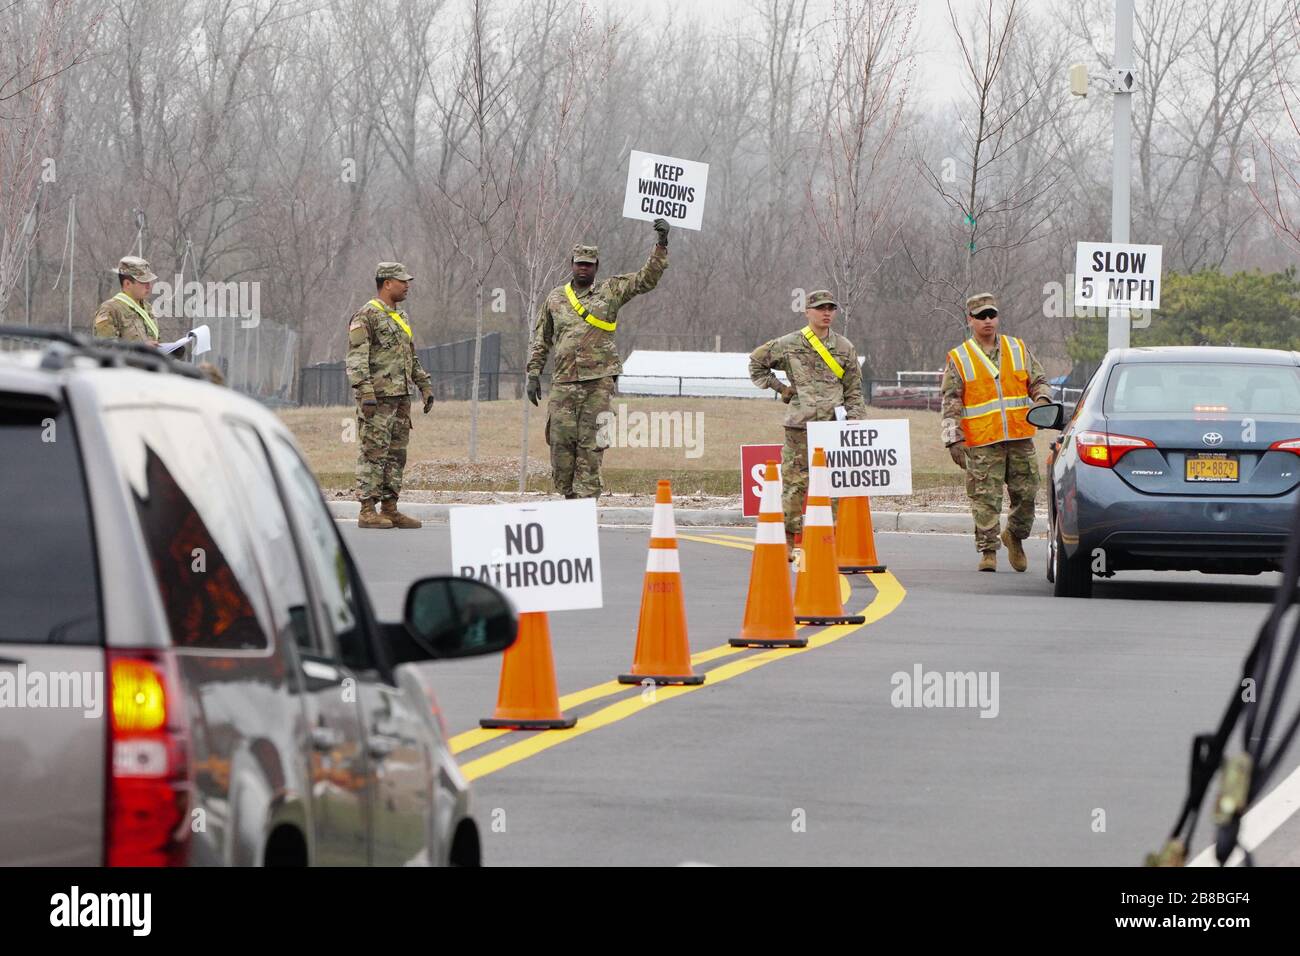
column 438, row 454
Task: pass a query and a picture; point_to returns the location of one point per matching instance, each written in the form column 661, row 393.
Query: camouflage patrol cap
column 392, row 270
column 585, row 253
column 981, row 302
column 821, row 297
column 133, row 267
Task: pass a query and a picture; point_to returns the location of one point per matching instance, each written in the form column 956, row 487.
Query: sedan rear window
column 1190, row 387
column 49, row 591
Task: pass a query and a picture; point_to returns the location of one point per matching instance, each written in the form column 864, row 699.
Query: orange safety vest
column 995, row 399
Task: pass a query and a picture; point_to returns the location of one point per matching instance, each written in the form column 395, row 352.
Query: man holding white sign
column 825, row 385
column 576, row 322
column 987, row 389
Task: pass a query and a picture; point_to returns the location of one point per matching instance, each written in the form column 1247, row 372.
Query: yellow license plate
column 1211, row 469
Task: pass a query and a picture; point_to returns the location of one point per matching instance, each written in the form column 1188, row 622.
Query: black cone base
column 759, row 642
column 838, row 619
column 660, row 679
column 501, row 723
column 861, row 569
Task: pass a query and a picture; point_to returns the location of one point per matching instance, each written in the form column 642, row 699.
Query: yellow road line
column 479, row 736
column 719, row 536
column 744, row 545
column 889, row 595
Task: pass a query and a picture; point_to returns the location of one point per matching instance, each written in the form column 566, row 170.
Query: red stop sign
column 753, row 464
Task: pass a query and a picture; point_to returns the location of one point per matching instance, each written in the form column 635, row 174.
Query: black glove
column 661, row 229
column 534, row 388
column 427, row 395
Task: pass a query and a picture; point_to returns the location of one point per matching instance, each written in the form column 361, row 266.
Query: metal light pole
column 1117, row 330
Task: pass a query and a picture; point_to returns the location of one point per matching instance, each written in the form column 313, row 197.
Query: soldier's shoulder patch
column 362, row 318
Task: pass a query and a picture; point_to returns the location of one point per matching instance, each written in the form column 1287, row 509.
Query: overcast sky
column 937, row 64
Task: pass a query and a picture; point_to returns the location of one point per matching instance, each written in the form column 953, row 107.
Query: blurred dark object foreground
column 1256, row 705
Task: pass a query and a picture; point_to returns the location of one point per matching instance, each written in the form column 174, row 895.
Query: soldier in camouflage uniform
column 814, row 392
column 1010, row 461
column 576, row 322
column 382, row 367
column 127, row 315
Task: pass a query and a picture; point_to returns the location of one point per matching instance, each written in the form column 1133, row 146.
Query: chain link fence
column 450, row 366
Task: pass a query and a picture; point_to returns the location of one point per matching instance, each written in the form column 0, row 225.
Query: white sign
column 546, row 556
column 667, row 188
column 865, row 458
column 1117, row 275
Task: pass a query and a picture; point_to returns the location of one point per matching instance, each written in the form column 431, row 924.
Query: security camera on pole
column 1122, row 85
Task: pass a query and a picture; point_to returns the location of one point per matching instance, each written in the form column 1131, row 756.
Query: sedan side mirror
column 449, row 617
column 1046, row 416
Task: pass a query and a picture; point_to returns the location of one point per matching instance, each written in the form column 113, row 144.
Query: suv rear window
column 48, row 576
column 202, row 560
column 1188, row 387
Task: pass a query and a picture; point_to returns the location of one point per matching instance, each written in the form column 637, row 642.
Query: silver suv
column 190, row 669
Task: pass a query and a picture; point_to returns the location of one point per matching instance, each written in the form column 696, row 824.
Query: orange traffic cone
column 769, row 609
column 817, row 585
column 527, row 698
column 855, row 542
column 663, row 655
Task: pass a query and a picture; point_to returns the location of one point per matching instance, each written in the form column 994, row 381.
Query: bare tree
column 37, row 45
column 476, row 226
column 998, row 187
column 855, row 186
column 548, row 205
column 1205, row 79
column 1279, row 197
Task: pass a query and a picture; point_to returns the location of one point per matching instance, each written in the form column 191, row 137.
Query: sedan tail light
column 1287, row 444
column 147, row 817
column 1104, row 449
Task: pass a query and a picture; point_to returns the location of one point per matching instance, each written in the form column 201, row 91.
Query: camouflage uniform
column 817, row 393
column 586, row 368
column 117, row 318
column 382, row 365
column 989, row 467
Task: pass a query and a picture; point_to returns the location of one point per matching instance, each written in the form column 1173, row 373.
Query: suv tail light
column 1287, row 444
column 147, row 816
column 1104, row 449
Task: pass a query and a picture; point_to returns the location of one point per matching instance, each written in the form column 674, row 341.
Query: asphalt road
column 805, row 758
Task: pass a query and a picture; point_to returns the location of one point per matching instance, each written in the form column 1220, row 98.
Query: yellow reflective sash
column 395, row 316
column 150, row 325
column 583, row 313
column 829, row 359
column 977, row 354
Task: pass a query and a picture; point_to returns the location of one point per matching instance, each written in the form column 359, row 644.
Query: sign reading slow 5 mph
column 665, row 187
column 1110, row 275
column 545, row 556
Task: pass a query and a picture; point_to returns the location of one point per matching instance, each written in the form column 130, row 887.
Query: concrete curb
column 914, row 521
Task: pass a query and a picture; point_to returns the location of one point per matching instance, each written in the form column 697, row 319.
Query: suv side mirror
column 1046, row 416
column 449, row 617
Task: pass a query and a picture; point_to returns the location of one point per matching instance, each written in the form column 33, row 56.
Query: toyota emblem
column 1212, row 439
